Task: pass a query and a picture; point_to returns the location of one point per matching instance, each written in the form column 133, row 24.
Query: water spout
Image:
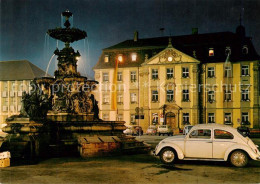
column 86, row 56
column 46, row 73
column 61, row 20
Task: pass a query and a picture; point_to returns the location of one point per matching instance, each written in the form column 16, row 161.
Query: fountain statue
column 61, row 114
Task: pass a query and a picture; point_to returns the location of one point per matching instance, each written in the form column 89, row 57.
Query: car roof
column 215, row 125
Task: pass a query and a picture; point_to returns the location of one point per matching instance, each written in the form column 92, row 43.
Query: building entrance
column 170, row 119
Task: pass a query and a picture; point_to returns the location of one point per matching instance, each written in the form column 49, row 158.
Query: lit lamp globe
column 120, row 58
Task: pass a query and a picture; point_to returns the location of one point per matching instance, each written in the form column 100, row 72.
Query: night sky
column 24, row 24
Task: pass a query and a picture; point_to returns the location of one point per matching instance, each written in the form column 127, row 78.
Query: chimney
column 136, row 36
column 195, row 31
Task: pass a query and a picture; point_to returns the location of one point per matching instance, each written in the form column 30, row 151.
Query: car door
column 198, row 143
column 222, row 140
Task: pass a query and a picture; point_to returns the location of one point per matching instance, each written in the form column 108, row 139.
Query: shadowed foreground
column 128, row 169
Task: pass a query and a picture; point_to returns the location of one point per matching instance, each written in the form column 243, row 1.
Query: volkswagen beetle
column 213, row 142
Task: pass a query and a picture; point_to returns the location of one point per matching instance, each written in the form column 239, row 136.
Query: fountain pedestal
column 60, row 115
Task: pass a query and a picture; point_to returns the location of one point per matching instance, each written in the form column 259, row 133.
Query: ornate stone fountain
column 60, row 114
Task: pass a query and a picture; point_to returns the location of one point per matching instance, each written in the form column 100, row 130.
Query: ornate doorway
column 170, row 119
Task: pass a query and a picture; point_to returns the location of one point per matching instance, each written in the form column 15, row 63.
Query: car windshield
column 241, row 133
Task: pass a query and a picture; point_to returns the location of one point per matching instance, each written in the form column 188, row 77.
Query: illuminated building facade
column 179, row 80
column 15, row 77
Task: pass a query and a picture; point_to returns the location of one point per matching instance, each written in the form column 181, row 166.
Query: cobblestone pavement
column 142, row 168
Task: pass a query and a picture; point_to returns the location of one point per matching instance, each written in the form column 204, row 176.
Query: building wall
column 10, row 98
column 144, row 85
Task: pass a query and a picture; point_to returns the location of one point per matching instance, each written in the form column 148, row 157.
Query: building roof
column 19, row 70
column 194, row 45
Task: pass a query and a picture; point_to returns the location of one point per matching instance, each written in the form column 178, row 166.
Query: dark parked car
column 244, row 130
column 139, row 130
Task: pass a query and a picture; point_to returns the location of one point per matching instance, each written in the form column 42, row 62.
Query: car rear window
column 222, row 134
column 163, row 126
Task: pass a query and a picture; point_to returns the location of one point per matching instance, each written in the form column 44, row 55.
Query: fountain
column 60, row 116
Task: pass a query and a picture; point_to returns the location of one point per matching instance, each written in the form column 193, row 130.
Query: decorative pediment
column 170, row 55
column 170, row 107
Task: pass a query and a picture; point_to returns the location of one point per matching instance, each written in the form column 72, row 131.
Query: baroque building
column 179, row 80
column 15, row 77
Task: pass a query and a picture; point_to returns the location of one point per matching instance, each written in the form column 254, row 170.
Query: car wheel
column 239, row 158
column 167, row 156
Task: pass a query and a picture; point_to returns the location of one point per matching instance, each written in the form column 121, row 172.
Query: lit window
column 227, row 118
column 228, row 51
column 211, row 72
column 134, row 57
column 186, row 118
column 227, row 95
column 119, row 76
column 245, row 94
column 245, row 49
column 133, row 76
column 185, row 72
column 105, row 99
column 245, row 117
column 105, row 117
column 185, row 95
column 211, row 96
column 170, row 58
column 228, row 71
column 170, row 95
column 154, row 96
column 120, row 117
column 211, row 117
column 133, row 98
column 120, row 99
column 105, row 77
column 245, row 70
column 120, row 58
column 211, row 52
column 169, row 72
column 154, row 74
column 132, row 118
column 106, row 58
column 155, row 118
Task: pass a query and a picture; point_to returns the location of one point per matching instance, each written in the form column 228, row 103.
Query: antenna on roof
column 162, row 30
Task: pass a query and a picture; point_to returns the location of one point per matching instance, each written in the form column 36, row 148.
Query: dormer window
column 245, row 49
column 211, row 52
column 106, row 60
column 134, row 57
column 228, row 51
column 120, row 58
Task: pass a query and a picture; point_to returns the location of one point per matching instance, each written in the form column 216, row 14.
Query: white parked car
column 130, row 131
column 209, row 142
column 164, row 130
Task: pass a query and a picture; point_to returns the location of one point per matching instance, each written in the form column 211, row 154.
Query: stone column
column 256, row 112
column 195, row 97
